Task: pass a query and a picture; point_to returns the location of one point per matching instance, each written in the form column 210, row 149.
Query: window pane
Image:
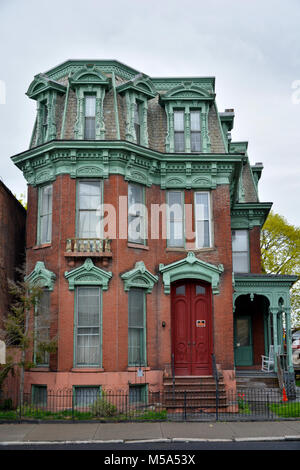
column 195, row 120
column 202, row 211
column 179, row 145
column 86, row 395
column 202, row 219
column 45, row 213
column 180, row 290
column 200, row 290
column 195, row 141
column 202, row 234
column 136, row 327
column 240, row 240
column 90, row 106
column 88, row 326
column 89, row 214
column 136, row 214
column 240, row 262
column 175, row 218
column 90, row 128
column 179, row 121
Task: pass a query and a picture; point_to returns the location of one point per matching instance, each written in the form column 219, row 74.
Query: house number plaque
column 200, row 323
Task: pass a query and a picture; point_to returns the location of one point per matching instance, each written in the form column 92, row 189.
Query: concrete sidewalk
column 163, row 431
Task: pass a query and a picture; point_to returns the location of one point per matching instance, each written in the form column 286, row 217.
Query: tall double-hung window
column 240, row 251
column 136, row 327
column 175, row 218
column 90, row 117
column 42, row 329
column 203, row 224
column 187, row 134
column 137, row 121
column 137, row 223
column 44, row 234
column 88, row 327
column 89, row 210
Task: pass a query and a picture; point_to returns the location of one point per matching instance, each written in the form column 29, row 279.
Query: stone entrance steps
column 256, row 379
column 191, row 392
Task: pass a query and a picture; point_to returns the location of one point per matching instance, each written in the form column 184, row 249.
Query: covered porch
column 262, row 321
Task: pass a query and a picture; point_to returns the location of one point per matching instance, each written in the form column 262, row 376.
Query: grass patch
column 286, row 410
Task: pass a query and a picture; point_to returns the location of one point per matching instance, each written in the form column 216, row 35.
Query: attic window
column 90, row 117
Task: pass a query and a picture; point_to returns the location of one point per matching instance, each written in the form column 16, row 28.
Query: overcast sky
column 251, row 47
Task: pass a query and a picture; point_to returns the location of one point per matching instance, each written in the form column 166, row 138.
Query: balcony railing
column 81, row 247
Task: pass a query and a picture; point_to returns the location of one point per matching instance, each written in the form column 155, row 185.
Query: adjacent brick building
column 168, row 276
column 12, row 243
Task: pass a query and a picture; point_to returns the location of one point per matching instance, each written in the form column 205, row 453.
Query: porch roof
column 275, row 287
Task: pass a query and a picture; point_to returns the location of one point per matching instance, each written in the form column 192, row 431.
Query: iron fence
column 184, row 405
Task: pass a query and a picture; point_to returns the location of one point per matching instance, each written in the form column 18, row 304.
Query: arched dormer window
column 45, row 91
column 90, row 85
column 137, row 92
column 187, row 106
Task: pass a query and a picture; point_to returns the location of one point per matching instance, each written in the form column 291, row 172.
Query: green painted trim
column 41, row 276
column 116, row 106
column 141, row 85
column 249, row 214
column 191, row 268
column 187, row 91
column 62, row 132
column 100, row 364
column 137, row 164
column 139, row 277
column 88, row 275
column 43, row 84
column 142, row 363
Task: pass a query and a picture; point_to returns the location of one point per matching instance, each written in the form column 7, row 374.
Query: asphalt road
column 144, row 450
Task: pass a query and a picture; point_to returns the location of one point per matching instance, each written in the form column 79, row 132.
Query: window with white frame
column 45, row 214
column 203, row 219
column 89, row 213
column 87, row 327
column 137, row 228
column 136, row 327
column 240, row 251
column 175, row 218
column 89, row 117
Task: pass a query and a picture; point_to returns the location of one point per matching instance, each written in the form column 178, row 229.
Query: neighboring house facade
column 12, row 244
column 169, row 274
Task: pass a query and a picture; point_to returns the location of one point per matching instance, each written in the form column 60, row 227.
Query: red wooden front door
column 191, row 328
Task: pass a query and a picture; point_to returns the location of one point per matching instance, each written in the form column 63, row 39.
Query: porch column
column 288, row 339
column 275, row 336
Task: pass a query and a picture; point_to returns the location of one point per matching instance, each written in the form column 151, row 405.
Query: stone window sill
column 87, row 369
column 40, row 247
column 138, row 245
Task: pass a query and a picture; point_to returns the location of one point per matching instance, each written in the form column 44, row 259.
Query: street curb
column 145, row 441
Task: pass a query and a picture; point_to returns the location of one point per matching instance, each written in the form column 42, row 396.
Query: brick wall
column 115, row 300
column 12, row 242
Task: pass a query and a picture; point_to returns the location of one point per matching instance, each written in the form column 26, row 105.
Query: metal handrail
column 173, row 374
column 216, row 377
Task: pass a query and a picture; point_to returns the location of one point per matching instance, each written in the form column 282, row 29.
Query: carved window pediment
column 88, row 274
column 139, row 276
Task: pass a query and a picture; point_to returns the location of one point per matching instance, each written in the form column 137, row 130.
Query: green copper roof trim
column 42, row 84
column 88, row 75
column 88, row 274
column 191, row 267
column 187, row 91
column 140, row 277
column 138, row 164
column 140, row 84
column 247, row 215
column 41, row 276
column 274, row 287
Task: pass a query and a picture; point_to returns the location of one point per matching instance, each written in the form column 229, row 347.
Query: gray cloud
column 251, row 47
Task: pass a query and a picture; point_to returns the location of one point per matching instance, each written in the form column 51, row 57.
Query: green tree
column 280, row 249
column 19, row 331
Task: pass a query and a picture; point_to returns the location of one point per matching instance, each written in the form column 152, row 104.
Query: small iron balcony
column 88, row 247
